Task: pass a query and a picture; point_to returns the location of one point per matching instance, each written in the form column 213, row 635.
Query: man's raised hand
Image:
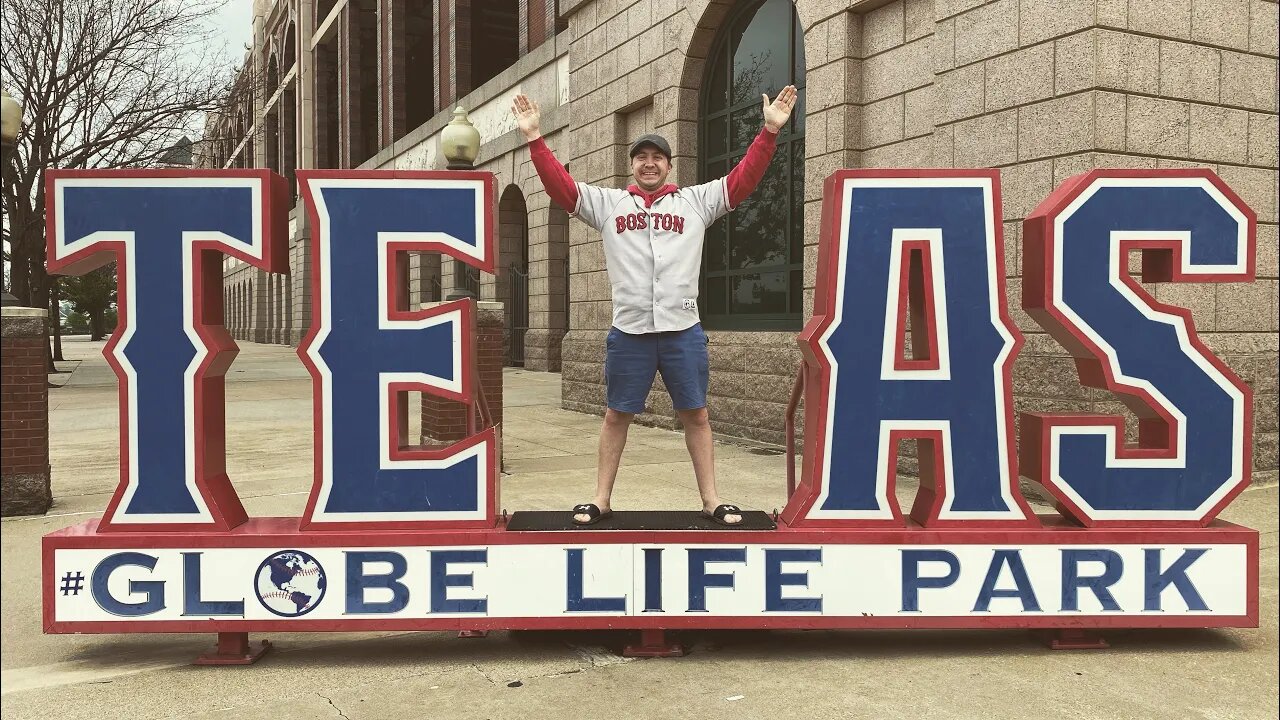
column 528, row 117
column 777, row 112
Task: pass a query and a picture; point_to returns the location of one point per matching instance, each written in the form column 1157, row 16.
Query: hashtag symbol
column 72, row 584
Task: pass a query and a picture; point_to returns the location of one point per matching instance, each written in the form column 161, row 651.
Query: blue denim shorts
column 631, row 361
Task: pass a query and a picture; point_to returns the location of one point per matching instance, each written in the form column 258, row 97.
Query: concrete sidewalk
column 550, row 464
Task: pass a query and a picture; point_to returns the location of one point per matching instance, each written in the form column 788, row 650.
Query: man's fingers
column 522, row 104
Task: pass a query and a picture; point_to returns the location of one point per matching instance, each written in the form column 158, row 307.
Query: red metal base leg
column 653, row 643
column 234, row 649
column 473, row 633
column 1074, row 639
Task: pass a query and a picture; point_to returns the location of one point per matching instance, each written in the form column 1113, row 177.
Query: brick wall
column 1048, row 90
column 1040, row 89
column 24, row 413
column 446, row 420
column 548, row 285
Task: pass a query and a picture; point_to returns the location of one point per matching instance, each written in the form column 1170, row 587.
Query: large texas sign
column 397, row 536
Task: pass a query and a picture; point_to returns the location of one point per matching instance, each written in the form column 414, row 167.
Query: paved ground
column 550, row 465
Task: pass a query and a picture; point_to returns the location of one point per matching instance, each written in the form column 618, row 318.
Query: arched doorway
column 753, row 261
column 513, row 289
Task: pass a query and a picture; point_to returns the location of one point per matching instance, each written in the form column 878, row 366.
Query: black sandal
column 721, row 511
column 591, row 511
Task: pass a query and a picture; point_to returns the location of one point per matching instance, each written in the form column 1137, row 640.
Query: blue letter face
column 359, row 582
column 576, row 599
column 1155, row 580
column 442, row 580
column 775, row 579
column 152, row 589
column 1022, row 589
column 192, row 602
column 913, row 582
column 888, row 239
column 167, row 233
column 1073, row 581
column 365, row 348
column 700, row 579
column 1194, row 414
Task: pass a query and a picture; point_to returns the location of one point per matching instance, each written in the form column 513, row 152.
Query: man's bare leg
column 613, row 437
column 697, row 437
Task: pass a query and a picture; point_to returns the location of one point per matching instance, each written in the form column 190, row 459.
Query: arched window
column 244, row 152
column 271, row 120
column 753, row 260
column 273, row 77
column 290, row 46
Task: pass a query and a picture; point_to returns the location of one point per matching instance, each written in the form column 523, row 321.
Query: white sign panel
column 352, row 584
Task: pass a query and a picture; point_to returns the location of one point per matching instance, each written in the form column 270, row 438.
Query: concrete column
column 347, row 96
column 548, row 287
column 260, row 317
column 305, row 83
column 24, row 422
column 257, row 63
column 300, row 277
column 391, row 71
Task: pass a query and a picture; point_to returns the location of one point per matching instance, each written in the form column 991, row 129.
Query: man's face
column 650, row 168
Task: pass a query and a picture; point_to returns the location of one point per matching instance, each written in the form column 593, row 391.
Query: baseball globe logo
column 290, row 583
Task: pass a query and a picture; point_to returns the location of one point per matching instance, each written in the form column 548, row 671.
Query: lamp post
column 460, row 143
column 10, row 125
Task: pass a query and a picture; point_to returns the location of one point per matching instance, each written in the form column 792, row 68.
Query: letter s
column 1195, row 415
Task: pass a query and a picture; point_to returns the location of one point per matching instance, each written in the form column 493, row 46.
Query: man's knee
column 695, row 419
column 617, row 418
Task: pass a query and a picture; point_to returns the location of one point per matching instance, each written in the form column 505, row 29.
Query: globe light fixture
column 10, row 124
column 460, row 141
column 10, row 118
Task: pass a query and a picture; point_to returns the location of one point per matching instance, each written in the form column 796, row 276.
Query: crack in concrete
column 335, row 707
column 483, row 674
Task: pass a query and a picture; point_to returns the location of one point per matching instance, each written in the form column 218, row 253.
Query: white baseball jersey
column 653, row 254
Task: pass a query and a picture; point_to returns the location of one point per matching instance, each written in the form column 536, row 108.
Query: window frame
column 721, row 60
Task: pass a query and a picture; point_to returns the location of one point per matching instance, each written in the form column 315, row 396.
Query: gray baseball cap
column 655, row 140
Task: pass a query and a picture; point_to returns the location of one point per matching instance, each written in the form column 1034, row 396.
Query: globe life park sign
column 400, row 537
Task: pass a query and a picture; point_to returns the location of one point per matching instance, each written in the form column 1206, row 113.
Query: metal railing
column 471, row 280
column 519, row 314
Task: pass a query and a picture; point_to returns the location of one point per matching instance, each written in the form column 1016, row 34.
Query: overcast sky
column 235, row 22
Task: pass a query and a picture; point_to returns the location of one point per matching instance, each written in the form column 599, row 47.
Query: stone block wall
column 1041, row 89
column 1046, row 90
column 24, row 413
column 548, row 286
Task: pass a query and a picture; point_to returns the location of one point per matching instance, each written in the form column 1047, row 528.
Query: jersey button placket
column 657, row 260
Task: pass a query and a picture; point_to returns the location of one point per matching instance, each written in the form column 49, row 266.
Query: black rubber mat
column 526, row 520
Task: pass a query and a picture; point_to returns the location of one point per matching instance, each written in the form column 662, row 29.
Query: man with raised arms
column 653, row 234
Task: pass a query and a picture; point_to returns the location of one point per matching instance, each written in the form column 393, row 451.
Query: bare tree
column 104, row 84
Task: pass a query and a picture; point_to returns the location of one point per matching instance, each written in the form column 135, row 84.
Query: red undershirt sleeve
column 555, row 178
column 746, row 175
